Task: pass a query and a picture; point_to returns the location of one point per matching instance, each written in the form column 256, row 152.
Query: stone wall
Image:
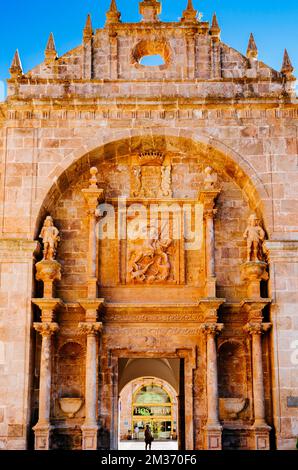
column 97, row 105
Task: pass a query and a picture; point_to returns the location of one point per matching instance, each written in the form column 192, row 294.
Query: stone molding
column 282, row 251
column 20, row 249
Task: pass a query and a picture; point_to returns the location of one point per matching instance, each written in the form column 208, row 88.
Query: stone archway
column 115, row 145
column 195, row 286
column 148, row 400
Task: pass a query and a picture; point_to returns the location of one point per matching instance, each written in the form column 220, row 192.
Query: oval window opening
column 152, row 60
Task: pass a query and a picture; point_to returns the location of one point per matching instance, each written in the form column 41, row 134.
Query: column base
column 89, row 437
column 42, row 436
column 213, row 437
column 262, row 436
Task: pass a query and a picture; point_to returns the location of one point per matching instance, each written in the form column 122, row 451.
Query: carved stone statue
column 166, row 181
column 50, row 238
column 255, row 236
column 210, row 181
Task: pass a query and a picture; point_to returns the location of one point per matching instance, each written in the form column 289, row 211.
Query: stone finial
column 88, row 31
column 93, row 179
column 16, row 69
column 150, row 9
column 255, row 236
column 189, row 14
column 215, row 29
column 210, row 180
column 50, row 237
column 287, row 68
column 51, row 52
column 113, row 14
column 252, row 50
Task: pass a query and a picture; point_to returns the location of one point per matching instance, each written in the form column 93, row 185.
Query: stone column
column 213, row 428
column 260, row 426
column 207, row 198
column 91, row 327
column 43, row 428
column 93, row 196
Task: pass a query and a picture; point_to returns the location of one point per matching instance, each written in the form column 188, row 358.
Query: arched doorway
column 154, row 406
column 149, row 400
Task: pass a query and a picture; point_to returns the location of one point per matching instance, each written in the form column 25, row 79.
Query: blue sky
column 26, row 25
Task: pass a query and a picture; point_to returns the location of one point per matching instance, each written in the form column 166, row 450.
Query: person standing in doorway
column 136, row 432
column 148, row 437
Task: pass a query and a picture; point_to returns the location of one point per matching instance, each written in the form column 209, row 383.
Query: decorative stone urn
column 230, row 408
column 253, row 272
column 48, row 271
column 70, row 406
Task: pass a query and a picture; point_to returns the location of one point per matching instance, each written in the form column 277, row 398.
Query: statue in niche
column 166, row 181
column 255, row 236
column 136, row 183
column 210, row 180
column 50, row 237
column 151, row 263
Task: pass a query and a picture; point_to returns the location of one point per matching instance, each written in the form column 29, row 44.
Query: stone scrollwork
column 136, row 181
column 166, row 181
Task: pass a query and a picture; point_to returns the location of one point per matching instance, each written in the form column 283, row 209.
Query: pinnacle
column 215, row 29
column 88, row 25
column 88, row 28
column 51, row 44
column 113, row 6
column 189, row 14
column 252, row 50
column 50, row 52
column 16, row 66
column 215, row 22
column 190, row 6
column 287, row 67
column 113, row 14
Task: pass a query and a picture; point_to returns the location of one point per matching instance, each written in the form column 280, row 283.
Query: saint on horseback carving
column 151, row 263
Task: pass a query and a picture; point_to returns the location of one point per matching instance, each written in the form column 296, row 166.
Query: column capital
column 212, row 329
column 48, row 308
column 46, row 329
column 207, row 197
column 90, row 329
column 210, row 308
column 93, row 196
column 254, row 308
column 254, row 328
column 91, row 307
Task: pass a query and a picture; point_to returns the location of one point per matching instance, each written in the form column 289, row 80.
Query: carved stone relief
column 150, row 177
column 151, row 262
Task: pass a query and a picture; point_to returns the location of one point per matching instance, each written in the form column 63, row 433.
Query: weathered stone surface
column 150, row 135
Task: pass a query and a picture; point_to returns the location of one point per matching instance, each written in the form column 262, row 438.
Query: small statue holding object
column 255, row 236
column 50, row 238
